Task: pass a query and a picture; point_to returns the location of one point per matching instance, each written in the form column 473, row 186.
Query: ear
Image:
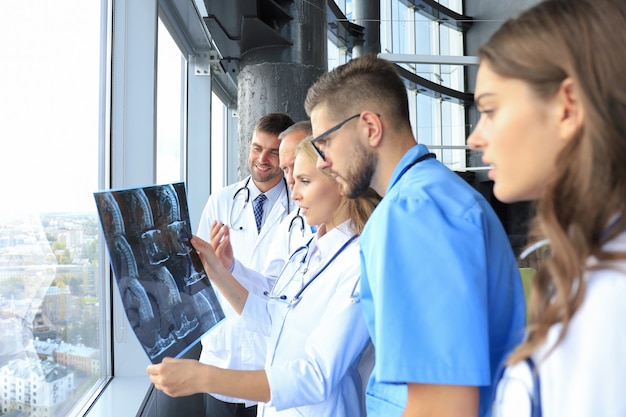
column 374, row 126
column 571, row 115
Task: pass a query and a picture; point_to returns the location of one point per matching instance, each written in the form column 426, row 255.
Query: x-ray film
column 167, row 296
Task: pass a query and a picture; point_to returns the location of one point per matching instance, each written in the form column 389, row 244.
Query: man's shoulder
column 435, row 187
column 219, row 201
column 430, row 179
column 228, row 190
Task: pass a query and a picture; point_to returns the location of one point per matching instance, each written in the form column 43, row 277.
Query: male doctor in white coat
column 292, row 233
column 229, row 345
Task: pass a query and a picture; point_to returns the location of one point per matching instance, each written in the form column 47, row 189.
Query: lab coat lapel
column 278, row 212
column 272, row 219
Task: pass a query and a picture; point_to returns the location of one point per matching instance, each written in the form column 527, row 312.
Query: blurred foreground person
column 551, row 91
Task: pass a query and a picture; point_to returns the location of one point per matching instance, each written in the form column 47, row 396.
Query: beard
column 360, row 173
column 268, row 176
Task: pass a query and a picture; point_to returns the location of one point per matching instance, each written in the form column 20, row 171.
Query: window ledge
column 123, row 396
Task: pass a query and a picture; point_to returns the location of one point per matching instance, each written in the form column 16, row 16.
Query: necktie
column 257, row 207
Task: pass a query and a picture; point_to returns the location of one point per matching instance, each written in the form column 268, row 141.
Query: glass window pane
column 51, row 315
column 454, row 5
column 401, row 25
column 423, row 118
column 219, row 131
column 452, row 128
column 345, row 6
column 423, row 29
column 170, row 109
column 336, row 55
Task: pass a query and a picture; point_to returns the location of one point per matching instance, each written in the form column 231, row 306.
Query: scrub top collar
column 405, row 163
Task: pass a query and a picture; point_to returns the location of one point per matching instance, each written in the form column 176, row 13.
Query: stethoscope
column 246, row 191
column 297, row 223
column 274, row 295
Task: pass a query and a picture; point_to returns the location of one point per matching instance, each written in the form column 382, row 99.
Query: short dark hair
column 361, row 82
column 273, row 123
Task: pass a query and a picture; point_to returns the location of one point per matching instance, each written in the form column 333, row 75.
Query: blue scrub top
column 440, row 288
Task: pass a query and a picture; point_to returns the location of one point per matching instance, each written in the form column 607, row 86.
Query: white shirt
column 228, row 345
column 316, row 345
column 292, row 233
column 585, row 376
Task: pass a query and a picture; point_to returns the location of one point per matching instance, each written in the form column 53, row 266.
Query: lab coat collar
column 330, row 243
column 272, row 194
column 280, row 193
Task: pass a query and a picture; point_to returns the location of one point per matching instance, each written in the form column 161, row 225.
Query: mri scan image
column 167, row 296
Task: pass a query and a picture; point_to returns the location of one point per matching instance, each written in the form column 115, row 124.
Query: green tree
column 90, row 251
column 12, row 287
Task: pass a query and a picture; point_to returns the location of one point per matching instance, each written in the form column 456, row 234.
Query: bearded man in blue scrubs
column 440, row 288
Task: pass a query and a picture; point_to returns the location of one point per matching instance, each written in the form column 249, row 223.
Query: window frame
column 445, row 140
column 127, row 128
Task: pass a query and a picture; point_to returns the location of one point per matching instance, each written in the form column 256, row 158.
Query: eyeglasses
column 321, row 139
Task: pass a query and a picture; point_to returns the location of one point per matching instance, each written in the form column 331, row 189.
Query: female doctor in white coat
column 317, row 334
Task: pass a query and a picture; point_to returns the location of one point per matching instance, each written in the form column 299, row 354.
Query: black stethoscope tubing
column 297, row 219
column 247, row 199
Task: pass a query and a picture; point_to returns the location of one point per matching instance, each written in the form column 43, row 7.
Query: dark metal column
column 366, row 13
column 275, row 78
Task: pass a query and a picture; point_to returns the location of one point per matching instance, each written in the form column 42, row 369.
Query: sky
column 49, row 81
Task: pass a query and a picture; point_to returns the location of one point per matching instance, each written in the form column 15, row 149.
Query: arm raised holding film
column 228, row 285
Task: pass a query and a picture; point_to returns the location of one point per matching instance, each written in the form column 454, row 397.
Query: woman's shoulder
column 600, row 316
column 605, row 294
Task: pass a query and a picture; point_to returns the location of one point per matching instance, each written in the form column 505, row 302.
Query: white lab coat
column 585, row 374
column 229, row 345
column 317, row 358
column 285, row 242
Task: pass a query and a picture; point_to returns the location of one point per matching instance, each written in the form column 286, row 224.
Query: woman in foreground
column 552, row 97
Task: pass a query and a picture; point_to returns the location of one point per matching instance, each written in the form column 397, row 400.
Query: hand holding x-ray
column 220, row 241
